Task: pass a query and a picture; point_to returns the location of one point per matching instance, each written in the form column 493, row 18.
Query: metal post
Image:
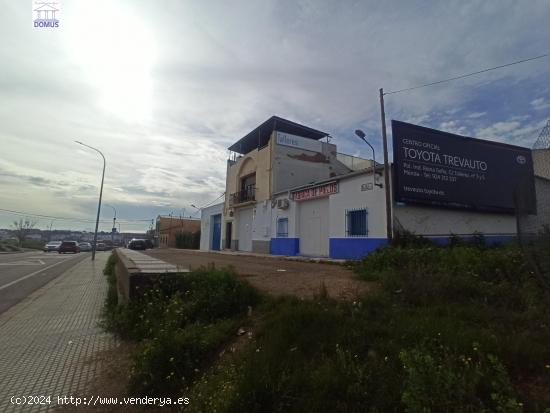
column 114, row 224
column 389, row 226
column 94, row 246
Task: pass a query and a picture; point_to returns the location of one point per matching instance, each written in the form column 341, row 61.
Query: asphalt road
column 22, row 273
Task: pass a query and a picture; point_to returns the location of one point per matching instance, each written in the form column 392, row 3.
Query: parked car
column 52, row 246
column 69, row 246
column 149, row 243
column 137, row 244
column 101, row 247
column 85, row 246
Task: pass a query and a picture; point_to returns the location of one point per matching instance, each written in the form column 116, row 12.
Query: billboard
column 439, row 168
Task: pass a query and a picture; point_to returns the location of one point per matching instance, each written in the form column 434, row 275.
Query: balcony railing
column 249, row 194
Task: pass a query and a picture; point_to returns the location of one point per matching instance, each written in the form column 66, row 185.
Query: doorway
column 228, row 226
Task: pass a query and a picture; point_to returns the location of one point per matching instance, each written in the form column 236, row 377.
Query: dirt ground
column 275, row 275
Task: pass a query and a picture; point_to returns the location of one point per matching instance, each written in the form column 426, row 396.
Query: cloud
column 163, row 91
column 540, row 104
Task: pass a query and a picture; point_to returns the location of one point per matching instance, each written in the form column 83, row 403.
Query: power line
column 210, row 203
column 467, row 75
column 21, row 213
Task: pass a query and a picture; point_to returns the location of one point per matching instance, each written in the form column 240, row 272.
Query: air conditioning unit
column 283, row 203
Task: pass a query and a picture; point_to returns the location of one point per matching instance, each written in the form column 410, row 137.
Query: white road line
column 26, row 262
column 29, row 275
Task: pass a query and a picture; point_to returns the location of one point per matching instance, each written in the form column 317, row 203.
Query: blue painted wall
column 354, row 248
column 285, row 246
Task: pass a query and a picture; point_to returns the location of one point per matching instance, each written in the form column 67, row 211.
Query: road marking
column 35, row 262
column 29, row 275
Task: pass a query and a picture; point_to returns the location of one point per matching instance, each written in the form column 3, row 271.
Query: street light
column 114, row 222
column 197, row 208
column 100, row 195
column 362, row 135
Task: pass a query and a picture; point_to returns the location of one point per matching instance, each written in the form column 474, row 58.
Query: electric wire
column 467, row 75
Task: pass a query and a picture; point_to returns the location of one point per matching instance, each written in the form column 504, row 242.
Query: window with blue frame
column 282, row 228
column 357, row 222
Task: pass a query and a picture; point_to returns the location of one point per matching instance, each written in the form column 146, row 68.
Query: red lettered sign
column 316, row 191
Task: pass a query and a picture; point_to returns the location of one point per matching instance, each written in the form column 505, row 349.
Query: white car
column 52, row 246
column 85, row 246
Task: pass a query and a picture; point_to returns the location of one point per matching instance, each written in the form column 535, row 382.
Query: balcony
column 247, row 195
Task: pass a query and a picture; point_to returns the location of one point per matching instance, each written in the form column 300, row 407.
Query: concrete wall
column 541, row 162
column 429, row 221
column 535, row 223
column 293, row 167
column 206, row 224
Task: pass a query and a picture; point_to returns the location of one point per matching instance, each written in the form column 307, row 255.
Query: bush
column 439, row 379
column 110, row 307
column 180, row 321
column 167, row 363
column 174, row 301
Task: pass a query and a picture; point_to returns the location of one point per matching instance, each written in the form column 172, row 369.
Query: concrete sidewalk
column 48, row 340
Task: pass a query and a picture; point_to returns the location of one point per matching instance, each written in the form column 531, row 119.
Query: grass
column 461, row 329
column 457, row 329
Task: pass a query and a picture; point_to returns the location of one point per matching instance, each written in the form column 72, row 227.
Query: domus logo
column 45, row 14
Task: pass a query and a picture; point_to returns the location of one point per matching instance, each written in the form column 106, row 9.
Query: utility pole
column 389, row 222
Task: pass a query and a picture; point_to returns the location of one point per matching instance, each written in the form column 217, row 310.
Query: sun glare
column 116, row 57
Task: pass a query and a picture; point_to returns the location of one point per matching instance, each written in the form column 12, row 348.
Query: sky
column 164, row 88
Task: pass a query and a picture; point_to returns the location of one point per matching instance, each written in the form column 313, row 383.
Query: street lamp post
column 361, row 136
column 114, row 223
column 197, row 208
column 100, row 195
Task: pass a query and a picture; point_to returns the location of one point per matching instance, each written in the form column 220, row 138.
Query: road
column 22, row 273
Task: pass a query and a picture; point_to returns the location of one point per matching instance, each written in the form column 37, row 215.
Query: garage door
column 244, row 229
column 313, row 227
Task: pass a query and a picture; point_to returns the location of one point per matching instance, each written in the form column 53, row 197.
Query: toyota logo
column 521, row 159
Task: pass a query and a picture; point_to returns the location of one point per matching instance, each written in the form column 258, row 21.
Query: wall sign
column 440, row 168
column 286, row 139
column 315, row 191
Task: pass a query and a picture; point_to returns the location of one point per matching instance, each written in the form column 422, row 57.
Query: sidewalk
column 47, row 341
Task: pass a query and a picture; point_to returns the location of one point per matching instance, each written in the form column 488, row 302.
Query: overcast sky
column 164, row 87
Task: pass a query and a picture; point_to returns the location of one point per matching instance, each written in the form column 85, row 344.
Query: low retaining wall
column 136, row 270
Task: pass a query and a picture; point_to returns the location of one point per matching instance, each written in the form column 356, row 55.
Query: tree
column 21, row 228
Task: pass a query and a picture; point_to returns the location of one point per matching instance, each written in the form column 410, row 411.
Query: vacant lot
column 274, row 275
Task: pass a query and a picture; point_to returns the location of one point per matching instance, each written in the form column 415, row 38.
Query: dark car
column 68, row 246
column 137, row 244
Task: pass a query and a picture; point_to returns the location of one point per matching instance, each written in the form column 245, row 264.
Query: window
column 356, row 222
column 282, row 228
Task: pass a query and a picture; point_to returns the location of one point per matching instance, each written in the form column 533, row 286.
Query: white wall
column 261, row 226
column 289, row 213
column 206, row 224
column 350, row 196
column 429, row 221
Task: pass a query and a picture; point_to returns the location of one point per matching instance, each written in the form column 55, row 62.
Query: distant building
column 167, row 228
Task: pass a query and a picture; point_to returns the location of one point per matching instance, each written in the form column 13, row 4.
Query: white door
column 244, row 229
column 313, row 227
